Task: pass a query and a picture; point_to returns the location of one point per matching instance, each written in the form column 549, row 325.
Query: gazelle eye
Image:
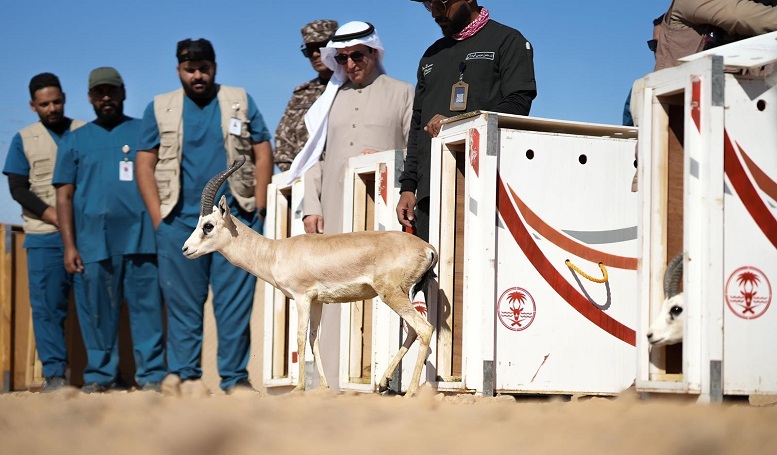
column 676, row 311
column 207, row 227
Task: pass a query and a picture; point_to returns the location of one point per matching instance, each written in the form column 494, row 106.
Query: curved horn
column 673, row 276
column 213, row 185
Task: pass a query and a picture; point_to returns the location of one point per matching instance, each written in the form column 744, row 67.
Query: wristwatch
column 262, row 212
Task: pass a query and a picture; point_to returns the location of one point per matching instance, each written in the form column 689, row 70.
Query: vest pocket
column 42, row 170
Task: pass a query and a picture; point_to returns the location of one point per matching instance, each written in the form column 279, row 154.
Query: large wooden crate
column 371, row 333
column 21, row 366
column 280, row 356
column 513, row 198
column 708, row 190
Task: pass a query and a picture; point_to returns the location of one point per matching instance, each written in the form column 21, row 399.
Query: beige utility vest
column 41, row 152
column 168, row 109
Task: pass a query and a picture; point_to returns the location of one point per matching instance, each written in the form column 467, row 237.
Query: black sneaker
column 94, row 388
column 53, row 383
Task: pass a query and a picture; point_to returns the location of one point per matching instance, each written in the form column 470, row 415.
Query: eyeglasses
column 309, row 49
column 439, row 6
column 652, row 44
column 356, row 57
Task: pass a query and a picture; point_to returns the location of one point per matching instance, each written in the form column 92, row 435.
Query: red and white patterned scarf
column 473, row 26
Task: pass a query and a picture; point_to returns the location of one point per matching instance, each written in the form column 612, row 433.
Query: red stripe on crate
column 569, row 245
column 549, row 273
column 761, row 178
column 747, row 194
column 696, row 101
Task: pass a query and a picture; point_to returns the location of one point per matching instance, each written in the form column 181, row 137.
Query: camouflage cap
column 319, row 31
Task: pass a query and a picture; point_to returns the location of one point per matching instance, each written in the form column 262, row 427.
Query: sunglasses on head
column 356, row 57
column 309, row 49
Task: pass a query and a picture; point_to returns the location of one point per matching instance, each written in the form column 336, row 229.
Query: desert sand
column 320, row 421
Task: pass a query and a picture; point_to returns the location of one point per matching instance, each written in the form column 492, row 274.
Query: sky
column 587, row 54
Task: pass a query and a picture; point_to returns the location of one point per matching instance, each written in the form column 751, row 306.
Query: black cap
column 189, row 50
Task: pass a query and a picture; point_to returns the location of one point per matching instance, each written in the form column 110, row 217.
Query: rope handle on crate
column 587, row 276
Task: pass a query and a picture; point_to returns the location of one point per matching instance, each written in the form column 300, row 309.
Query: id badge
column 125, row 171
column 459, row 96
column 235, row 126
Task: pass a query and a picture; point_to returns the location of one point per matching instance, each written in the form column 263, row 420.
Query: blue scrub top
column 203, row 153
column 16, row 163
column 109, row 215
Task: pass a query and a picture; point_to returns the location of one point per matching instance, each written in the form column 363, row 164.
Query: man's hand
column 314, row 224
column 434, row 125
column 73, row 262
column 405, row 209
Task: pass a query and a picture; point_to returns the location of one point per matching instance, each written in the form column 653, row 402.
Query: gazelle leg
column 315, row 324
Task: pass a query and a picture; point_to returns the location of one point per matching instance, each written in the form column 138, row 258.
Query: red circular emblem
column 516, row 309
column 748, row 293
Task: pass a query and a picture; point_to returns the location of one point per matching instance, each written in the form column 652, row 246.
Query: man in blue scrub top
column 29, row 167
column 109, row 239
column 187, row 137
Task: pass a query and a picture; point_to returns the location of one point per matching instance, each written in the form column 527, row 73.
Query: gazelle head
column 215, row 228
column 667, row 327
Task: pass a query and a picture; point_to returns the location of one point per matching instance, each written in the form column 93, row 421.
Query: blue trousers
column 49, row 292
column 106, row 284
column 185, row 288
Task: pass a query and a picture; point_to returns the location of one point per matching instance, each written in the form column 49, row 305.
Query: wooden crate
column 494, row 177
column 716, row 126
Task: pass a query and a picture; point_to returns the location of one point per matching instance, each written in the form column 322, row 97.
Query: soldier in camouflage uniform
column 292, row 134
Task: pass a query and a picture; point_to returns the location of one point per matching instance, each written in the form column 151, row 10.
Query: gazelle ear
column 223, row 207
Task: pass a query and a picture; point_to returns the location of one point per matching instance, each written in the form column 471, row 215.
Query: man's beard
column 110, row 116
column 456, row 24
column 198, row 95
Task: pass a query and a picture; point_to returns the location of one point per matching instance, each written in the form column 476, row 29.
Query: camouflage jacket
column 292, row 134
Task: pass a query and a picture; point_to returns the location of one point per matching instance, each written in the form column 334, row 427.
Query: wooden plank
column 280, row 302
column 367, row 305
column 24, row 342
column 447, row 293
column 6, row 308
column 458, row 267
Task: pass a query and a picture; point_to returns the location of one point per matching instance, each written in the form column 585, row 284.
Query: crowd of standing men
column 108, row 204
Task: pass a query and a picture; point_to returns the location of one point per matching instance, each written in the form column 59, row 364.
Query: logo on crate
column 748, row 293
column 516, row 309
column 420, row 305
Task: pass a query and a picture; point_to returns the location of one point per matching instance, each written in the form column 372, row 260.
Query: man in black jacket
column 479, row 64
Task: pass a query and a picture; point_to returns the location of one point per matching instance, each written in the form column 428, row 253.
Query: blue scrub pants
column 185, row 288
column 133, row 278
column 49, row 292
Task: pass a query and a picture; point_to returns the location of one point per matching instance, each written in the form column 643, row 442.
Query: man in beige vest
column 187, row 137
column 29, row 167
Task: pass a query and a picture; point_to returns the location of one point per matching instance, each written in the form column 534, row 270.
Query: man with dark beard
column 479, row 64
column 109, row 239
column 29, row 167
column 188, row 136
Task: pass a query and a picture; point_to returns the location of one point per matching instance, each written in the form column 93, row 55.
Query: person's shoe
column 152, row 387
column 243, row 385
column 53, row 383
column 94, row 388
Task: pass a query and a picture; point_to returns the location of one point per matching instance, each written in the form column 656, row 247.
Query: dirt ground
column 320, row 421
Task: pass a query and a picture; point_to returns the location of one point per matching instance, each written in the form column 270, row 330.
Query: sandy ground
column 320, row 421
